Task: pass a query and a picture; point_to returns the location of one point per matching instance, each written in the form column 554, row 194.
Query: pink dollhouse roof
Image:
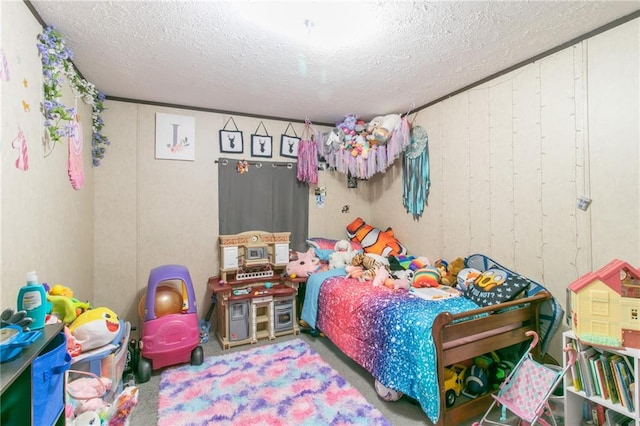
column 608, row 274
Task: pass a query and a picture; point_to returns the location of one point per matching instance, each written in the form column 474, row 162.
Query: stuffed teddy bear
column 449, row 271
column 306, row 264
column 455, row 267
column 443, row 267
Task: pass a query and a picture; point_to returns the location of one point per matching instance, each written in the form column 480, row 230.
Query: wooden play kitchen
column 254, row 300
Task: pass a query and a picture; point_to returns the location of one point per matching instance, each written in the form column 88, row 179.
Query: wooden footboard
column 449, row 334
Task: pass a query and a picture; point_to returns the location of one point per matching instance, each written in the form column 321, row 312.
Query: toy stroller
column 526, row 391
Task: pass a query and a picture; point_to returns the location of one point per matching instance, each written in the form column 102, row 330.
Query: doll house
column 605, row 305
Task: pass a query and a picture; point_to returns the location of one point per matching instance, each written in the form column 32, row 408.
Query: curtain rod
column 258, row 164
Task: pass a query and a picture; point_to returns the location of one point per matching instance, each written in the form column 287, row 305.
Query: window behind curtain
column 266, row 198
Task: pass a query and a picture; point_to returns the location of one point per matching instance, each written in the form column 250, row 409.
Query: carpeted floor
column 400, row 413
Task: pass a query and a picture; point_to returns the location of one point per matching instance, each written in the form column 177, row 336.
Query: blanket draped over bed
column 386, row 332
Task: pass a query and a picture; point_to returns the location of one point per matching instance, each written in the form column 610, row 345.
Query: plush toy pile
column 377, row 256
column 364, row 149
column 86, row 327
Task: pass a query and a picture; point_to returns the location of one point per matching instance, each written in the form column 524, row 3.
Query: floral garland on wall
column 56, row 63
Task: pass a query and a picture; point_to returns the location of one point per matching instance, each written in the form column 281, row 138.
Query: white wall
column 510, row 157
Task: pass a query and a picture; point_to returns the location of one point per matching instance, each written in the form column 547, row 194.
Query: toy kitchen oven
column 283, row 314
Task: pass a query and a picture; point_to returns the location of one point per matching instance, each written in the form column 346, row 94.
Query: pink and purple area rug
column 280, row 384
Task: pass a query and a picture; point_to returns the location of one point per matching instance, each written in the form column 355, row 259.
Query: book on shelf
column 575, row 368
column 594, row 412
column 594, row 374
column 623, row 378
column 627, row 380
column 617, row 378
column 601, row 379
column 585, row 368
column 608, row 373
column 616, row 419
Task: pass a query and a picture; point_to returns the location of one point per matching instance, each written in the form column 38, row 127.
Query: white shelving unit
column 574, row 400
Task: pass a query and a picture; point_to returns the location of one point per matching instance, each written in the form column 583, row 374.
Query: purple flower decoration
column 56, row 64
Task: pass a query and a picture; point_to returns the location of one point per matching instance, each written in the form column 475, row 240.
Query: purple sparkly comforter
column 388, row 333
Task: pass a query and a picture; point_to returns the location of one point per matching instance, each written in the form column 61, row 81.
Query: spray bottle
column 33, row 299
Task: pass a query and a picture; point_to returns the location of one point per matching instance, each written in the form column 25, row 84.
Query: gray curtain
column 268, row 197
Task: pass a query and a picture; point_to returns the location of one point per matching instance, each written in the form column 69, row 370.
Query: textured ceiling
column 382, row 57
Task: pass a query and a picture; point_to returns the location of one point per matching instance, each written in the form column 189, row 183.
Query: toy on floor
column 386, row 393
column 172, row 338
column 526, row 390
column 454, row 381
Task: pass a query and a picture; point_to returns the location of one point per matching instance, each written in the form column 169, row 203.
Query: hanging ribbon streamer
column 75, row 165
column 415, row 173
column 307, row 171
column 20, row 143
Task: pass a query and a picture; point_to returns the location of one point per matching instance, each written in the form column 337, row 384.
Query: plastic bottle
column 32, row 298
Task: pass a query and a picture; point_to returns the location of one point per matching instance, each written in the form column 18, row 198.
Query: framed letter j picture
column 175, row 137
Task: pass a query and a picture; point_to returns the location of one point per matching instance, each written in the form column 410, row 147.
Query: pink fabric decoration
column 76, row 168
column 20, row 143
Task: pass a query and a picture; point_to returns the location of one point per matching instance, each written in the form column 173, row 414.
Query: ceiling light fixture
column 308, row 23
column 323, row 27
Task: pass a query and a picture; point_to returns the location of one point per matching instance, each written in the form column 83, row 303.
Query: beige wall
column 152, row 212
column 510, row 157
column 46, row 225
column 508, row 160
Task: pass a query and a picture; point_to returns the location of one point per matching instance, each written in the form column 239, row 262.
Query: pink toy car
column 172, row 338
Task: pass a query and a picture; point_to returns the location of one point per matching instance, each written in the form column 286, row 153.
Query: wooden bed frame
column 523, row 316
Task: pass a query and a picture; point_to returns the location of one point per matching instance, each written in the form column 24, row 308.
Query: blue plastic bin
column 47, row 373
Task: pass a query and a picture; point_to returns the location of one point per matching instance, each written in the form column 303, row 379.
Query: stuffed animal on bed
column 454, row 269
column 373, row 240
column 342, row 255
column 306, row 264
column 373, row 269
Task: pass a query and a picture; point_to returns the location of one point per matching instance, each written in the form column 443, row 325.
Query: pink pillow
column 329, row 244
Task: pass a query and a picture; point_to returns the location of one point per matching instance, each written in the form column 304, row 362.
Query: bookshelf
column 598, row 382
